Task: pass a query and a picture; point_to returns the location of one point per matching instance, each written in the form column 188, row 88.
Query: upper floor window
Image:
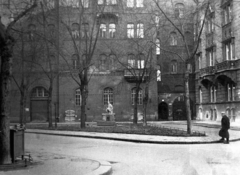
column 199, row 61
column 103, row 30
column 210, row 56
column 137, row 3
column 112, row 30
column 111, row 62
column 227, row 14
column 85, row 3
column 173, row 66
column 100, row 2
column 39, row 92
column 229, row 50
column 107, row 96
column 209, row 25
column 130, row 30
column 140, row 30
column 131, row 61
column 78, row 97
column 173, row 38
column 75, row 30
column 111, row 2
column 139, row 98
column 179, row 10
column 130, row 3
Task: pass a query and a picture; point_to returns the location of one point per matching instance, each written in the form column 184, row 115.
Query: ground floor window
column 140, row 98
column 107, row 96
column 78, row 97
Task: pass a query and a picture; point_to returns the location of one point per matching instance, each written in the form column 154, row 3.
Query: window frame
column 78, row 98
column 108, row 96
column 140, row 96
column 130, row 30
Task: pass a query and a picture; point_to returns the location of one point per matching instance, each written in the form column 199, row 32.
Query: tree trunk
column 5, row 83
column 50, row 123
column 189, row 127
column 145, row 102
column 83, row 108
column 22, row 108
column 135, row 107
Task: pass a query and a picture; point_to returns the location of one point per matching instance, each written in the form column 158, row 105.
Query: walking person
column 225, row 123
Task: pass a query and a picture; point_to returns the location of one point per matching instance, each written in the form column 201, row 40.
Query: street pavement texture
column 60, row 165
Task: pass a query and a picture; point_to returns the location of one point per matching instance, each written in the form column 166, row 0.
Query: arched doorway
column 163, row 111
column 39, row 104
column 179, row 108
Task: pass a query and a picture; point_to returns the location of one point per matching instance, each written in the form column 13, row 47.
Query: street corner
column 105, row 168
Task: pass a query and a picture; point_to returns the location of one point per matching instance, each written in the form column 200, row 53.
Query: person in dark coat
column 225, row 123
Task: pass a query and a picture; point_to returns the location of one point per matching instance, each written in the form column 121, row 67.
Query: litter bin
column 16, row 142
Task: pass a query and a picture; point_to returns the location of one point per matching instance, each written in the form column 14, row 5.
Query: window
column 85, row 30
column 75, row 61
column 130, row 30
column 199, row 60
column 173, row 66
column 112, row 30
column 103, row 30
column 139, row 98
column 139, row 3
column 200, row 95
column 213, row 93
column 85, row 3
column 78, row 97
column 140, row 30
column 227, row 14
column 39, row 92
column 229, row 50
column 173, row 38
column 157, row 47
column 140, row 61
column 231, row 92
column 211, row 57
column 100, row 2
column 131, row 61
column 102, row 62
column 111, row 2
column 75, row 30
column 209, row 25
column 111, row 62
column 32, row 30
column 179, row 10
column 107, row 96
column 130, row 3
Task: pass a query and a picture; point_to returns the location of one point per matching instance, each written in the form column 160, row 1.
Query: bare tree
column 179, row 18
column 6, row 51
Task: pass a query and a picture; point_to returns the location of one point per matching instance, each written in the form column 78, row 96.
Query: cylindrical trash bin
column 16, row 142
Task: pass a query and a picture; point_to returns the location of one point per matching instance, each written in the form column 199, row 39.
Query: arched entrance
column 39, row 104
column 163, row 111
column 179, row 108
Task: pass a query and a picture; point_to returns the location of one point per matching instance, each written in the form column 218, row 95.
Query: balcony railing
column 136, row 74
column 219, row 67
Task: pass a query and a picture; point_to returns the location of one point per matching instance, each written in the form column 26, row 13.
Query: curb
column 105, row 168
column 132, row 139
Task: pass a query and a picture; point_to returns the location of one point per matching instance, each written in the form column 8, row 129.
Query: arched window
column 39, row 92
column 103, row 30
column 75, row 30
column 231, row 88
column 179, row 10
column 140, row 96
column 107, row 96
column 213, row 93
column 173, row 39
column 157, row 47
column 112, row 30
column 173, row 66
column 78, row 98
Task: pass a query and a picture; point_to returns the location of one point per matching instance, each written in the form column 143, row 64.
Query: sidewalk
column 98, row 167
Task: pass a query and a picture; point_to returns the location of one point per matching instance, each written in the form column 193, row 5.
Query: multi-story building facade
column 217, row 63
column 123, row 51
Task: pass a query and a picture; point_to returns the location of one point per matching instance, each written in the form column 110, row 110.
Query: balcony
column 206, row 71
column 134, row 75
column 227, row 65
